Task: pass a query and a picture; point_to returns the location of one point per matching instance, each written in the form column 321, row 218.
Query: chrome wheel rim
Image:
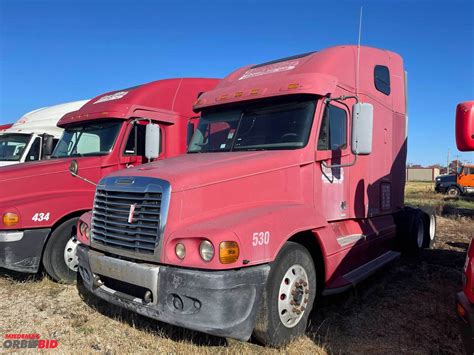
column 432, row 227
column 293, row 296
column 70, row 255
column 420, row 234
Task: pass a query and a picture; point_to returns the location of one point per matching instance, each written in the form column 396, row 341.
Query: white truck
column 34, row 136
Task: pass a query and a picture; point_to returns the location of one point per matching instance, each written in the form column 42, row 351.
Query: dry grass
column 407, row 307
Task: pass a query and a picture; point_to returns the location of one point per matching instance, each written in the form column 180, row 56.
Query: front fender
column 260, row 232
column 45, row 209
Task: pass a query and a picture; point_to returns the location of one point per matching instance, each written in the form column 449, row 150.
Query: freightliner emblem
column 132, row 211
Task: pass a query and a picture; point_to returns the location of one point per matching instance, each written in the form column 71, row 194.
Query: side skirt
column 362, row 272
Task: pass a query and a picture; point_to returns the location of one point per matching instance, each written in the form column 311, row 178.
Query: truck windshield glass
column 12, row 146
column 284, row 124
column 88, row 139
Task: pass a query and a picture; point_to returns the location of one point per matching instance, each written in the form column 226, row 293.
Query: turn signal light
column 10, row 219
column 228, row 252
column 293, row 86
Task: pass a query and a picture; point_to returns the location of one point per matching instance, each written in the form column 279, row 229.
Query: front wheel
column 288, row 297
column 59, row 257
column 453, row 191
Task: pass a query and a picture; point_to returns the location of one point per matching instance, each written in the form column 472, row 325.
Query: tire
column 293, row 263
column 54, row 256
column 453, row 191
column 430, row 230
column 414, row 240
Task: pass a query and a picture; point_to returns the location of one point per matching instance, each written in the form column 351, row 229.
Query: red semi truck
column 465, row 298
column 280, row 198
column 40, row 202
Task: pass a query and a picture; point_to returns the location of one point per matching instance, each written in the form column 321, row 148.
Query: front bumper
column 466, row 322
column 222, row 303
column 21, row 250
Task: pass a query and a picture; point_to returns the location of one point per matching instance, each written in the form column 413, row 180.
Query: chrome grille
column 111, row 225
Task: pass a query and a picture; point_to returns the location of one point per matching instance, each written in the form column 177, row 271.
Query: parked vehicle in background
column 457, row 184
column 40, row 202
column 34, row 136
column 465, row 298
column 280, row 198
column 445, row 182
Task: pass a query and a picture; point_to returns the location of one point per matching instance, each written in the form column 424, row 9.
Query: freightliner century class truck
column 40, row 202
column 465, row 298
column 292, row 187
column 34, row 136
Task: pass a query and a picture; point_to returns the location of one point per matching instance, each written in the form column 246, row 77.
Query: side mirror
column 48, row 146
column 362, row 128
column 465, row 126
column 152, row 141
column 74, row 168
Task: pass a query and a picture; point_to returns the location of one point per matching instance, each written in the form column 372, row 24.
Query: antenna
column 358, row 52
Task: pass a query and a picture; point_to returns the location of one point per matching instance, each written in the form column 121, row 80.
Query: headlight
column 206, row 250
column 10, row 219
column 180, row 251
column 88, row 233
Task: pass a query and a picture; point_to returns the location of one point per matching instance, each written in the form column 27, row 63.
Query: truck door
column 333, row 149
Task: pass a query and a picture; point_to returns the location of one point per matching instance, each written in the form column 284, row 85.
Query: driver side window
column 333, row 132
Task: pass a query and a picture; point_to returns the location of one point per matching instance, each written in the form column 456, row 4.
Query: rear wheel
column 430, row 230
column 414, row 240
column 288, row 297
column 59, row 258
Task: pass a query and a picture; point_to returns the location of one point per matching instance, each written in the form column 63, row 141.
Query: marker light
column 238, row 94
column 206, row 250
column 293, row 86
column 254, row 92
column 228, row 252
column 10, row 219
column 180, row 251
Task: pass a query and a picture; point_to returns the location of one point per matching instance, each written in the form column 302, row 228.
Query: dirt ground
column 408, row 307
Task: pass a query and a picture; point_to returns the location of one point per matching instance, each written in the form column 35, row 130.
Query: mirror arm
column 82, row 178
column 340, row 165
column 342, row 98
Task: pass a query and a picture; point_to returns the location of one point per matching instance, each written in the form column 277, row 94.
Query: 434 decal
column 40, row 217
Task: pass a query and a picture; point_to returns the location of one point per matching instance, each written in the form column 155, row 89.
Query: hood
column 43, row 178
column 196, row 170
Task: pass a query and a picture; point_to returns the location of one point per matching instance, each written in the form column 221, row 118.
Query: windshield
column 88, row 139
column 13, row 145
column 284, row 124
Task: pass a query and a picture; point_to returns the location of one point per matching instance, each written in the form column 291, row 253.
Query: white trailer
column 34, row 135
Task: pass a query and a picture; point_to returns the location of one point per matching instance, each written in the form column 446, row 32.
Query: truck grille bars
column 127, row 216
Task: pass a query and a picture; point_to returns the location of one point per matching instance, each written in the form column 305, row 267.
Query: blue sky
column 58, row 51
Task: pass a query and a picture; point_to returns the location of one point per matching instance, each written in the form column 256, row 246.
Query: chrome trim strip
column 350, row 239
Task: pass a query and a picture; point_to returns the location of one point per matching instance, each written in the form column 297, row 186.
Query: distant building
column 422, row 174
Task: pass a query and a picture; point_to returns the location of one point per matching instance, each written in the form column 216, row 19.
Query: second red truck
column 40, row 202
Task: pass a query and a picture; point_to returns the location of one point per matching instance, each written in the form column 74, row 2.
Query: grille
column 110, row 221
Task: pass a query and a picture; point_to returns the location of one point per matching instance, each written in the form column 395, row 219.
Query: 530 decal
column 40, row 217
column 260, row 238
